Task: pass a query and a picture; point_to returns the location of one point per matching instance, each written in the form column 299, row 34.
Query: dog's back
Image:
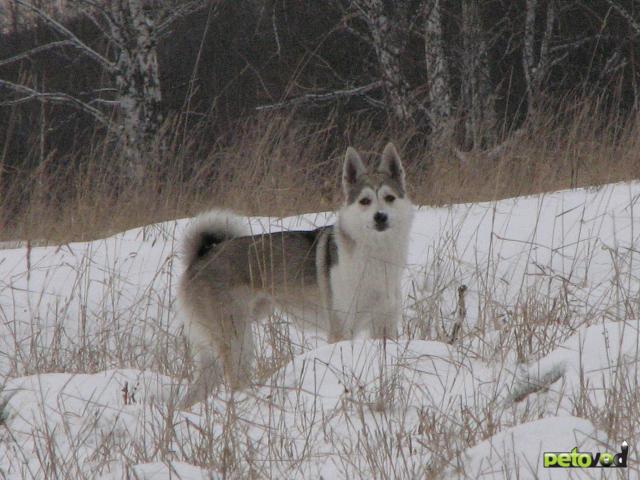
column 232, row 278
column 265, row 262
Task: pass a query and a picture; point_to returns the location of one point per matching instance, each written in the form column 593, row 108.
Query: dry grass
column 277, row 165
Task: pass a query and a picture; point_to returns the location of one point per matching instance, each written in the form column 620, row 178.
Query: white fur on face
column 357, row 220
column 357, row 217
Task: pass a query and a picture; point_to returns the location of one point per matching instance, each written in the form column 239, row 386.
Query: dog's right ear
column 353, row 169
column 391, row 164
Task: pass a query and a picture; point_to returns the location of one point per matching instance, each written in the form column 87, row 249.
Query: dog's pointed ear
column 391, row 165
column 353, row 168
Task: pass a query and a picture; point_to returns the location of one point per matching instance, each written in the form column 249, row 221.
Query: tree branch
column 626, row 15
column 61, row 29
column 322, row 97
column 34, row 51
column 52, row 97
column 165, row 22
column 546, row 41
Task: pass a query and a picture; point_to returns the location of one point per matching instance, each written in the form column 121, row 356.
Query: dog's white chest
column 363, row 288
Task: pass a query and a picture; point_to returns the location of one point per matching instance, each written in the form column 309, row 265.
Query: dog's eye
column 365, row 201
column 389, row 198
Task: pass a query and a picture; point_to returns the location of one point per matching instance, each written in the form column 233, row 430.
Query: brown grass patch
column 278, row 165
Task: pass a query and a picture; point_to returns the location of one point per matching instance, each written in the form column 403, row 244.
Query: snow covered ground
column 92, row 362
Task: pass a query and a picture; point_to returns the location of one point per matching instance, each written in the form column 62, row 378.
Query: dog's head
column 376, row 203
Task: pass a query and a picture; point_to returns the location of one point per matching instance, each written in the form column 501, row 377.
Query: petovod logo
column 576, row 459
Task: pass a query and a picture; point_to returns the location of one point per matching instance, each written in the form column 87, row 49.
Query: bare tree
column 132, row 29
column 438, row 79
column 478, row 99
column 385, row 24
column 634, row 23
column 389, row 27
column 616, row 60
column 536, row 70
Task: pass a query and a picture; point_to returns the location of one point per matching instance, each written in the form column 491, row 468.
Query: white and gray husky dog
column 343, row 278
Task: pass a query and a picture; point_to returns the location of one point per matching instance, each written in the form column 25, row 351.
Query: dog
column 343, row 278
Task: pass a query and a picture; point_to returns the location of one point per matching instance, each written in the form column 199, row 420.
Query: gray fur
column 209, row 229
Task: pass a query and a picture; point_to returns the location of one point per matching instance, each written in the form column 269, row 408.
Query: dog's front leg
column 336, row 328
column 384, row 321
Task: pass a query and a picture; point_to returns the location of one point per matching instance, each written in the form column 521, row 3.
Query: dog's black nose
column 380, row 218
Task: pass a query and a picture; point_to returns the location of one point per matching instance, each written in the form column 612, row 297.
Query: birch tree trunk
column 138, row 80
column 478, row 97
column 388, row 46
column 438, row 80
column 132, row 29
column 537, row 70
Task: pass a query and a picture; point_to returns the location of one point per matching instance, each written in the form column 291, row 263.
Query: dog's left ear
column 353, row 169
column 391, row 164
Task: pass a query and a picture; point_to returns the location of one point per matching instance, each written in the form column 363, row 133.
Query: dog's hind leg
column 235, row 338
column 238, row 353
column 208, row 372
column 208, row 375
column 219, row 331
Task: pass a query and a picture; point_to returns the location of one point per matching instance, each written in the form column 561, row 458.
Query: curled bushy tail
column 208, row 230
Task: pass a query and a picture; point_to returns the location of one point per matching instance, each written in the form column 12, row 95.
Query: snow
column 92, row 360
column 518, row 450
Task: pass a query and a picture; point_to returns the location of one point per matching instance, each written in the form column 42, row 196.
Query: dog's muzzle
column 381, row 221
